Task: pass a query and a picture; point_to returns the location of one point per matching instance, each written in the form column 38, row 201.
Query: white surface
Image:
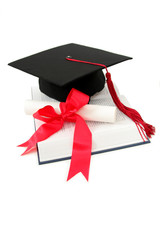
column 122, row 198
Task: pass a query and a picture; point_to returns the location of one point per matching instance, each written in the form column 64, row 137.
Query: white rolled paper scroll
column 89, row 112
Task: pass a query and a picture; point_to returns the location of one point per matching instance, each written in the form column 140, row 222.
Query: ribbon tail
column 42, row 133
column 81, row 153
column 27, row 145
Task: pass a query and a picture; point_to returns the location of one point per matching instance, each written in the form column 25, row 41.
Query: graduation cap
column 57, row 76
column 75, row 66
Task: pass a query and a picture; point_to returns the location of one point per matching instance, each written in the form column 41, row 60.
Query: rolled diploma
column 89, row 112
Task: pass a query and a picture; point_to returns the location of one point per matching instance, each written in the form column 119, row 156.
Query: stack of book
column 105, row 136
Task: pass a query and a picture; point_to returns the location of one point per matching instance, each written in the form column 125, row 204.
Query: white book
column 105, row 136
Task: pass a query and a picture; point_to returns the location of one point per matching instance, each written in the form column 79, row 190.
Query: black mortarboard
column 57, row 76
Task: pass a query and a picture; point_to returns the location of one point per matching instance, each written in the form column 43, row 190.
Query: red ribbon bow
column 82, row 142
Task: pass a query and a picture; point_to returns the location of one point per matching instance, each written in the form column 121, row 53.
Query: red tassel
column 130, row 112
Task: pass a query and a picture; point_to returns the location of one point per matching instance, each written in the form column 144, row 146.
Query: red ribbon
column 82, row 142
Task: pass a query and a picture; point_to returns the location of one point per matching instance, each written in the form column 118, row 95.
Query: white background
column 122, row 198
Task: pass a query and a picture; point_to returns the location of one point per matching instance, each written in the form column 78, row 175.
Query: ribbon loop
column 46, row 114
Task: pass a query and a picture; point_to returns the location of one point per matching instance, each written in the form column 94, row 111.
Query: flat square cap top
column 52, row 66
